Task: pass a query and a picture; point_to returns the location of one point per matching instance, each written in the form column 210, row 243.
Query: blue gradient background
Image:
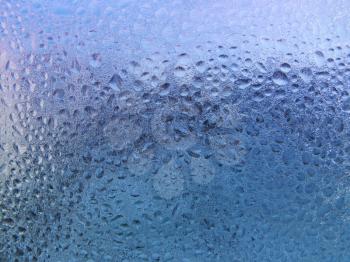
column 174, row 131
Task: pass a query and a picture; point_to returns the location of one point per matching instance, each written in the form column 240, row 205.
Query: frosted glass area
column 175, row 131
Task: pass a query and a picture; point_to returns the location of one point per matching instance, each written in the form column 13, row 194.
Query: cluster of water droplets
column 184, row 146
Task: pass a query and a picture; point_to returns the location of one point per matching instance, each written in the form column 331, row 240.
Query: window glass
column 174, row 130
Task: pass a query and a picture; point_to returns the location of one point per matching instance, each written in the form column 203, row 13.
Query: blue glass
column 180, row 131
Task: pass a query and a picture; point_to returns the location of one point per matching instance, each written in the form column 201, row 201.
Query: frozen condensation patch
column 122, row 132
column 173, row 129
column 202, row 170
column 168, row 182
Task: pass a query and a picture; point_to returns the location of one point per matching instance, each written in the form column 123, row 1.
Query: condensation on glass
column 174, row 131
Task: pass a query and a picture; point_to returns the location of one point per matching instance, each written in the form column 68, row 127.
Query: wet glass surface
column 174, row 131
